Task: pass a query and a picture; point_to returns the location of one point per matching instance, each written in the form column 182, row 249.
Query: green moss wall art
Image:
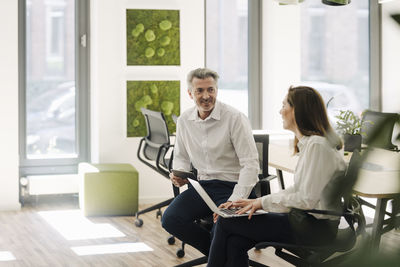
column 161, row 96
column 152, row 37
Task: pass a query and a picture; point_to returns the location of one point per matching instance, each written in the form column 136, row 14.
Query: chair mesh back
column 157, row 133
column 377, row 129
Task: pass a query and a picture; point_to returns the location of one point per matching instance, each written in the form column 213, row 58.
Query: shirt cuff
column 264, row 202
column 240, row 192
column 272, row 203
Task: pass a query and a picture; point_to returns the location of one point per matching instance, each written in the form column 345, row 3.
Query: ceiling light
column 336, row 2
column 289, row 2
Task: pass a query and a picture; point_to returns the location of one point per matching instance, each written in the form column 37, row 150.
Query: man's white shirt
column 220, row 147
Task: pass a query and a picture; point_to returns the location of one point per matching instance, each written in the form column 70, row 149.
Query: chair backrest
column 262, row 143
column 339, row 190
column 377, row 129
column 157, row 134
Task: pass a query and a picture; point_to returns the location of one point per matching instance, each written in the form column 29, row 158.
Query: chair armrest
column 270, row 178
column 163, row 150
column 324, row 212
column 262, row 187
column 150, row 143
column 156, row 164
column 349, row 215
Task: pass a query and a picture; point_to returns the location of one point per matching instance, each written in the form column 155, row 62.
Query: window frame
column 82, row 85
column 255, row 64
column 375, row 56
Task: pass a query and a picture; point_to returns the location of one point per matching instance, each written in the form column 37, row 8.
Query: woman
column 303, row 112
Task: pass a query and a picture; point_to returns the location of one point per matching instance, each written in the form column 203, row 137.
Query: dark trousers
column 233, row 237
column 179, row 218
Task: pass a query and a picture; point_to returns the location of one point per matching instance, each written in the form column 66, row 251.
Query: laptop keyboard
column 229, row 211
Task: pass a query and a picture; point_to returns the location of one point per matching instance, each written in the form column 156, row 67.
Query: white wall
column 109, row 74
column 390, row 58
column 280, row 58
column 9, row 105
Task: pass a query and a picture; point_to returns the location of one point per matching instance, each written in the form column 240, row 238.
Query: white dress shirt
column 318, row 163
column 220, row 147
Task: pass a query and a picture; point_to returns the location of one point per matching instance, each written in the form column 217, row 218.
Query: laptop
column 225, row 213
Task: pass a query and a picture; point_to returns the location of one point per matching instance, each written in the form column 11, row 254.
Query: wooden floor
column 32, row 239
column 34, row 242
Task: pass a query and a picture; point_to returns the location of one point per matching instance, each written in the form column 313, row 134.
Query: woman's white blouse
column 318, row 163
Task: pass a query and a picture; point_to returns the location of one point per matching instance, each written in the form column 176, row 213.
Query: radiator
column 52, row 184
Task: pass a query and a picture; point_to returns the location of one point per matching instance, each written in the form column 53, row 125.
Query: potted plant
column 349, row 125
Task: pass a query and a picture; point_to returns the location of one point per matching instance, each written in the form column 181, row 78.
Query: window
column 227, row 49
column 330, row 48
column 54, row 86
column 55, row 33
column 335, row 53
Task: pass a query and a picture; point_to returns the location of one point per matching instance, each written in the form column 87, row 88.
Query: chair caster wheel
column 180, row 253
column 138, row 222
column 159, row 214
column 171, row 240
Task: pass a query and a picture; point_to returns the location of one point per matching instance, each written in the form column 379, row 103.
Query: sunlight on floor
column 111, row 249
column 72, row 225
column 6, row 256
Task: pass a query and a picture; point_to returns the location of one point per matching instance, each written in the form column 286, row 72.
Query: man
column 217, row 141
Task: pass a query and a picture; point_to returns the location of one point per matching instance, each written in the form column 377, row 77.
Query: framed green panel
column 152, row 37
column 161, row 96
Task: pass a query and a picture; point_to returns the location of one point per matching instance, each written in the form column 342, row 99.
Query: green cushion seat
column 108, row 189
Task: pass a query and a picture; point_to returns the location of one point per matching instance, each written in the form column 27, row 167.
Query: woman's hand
column 177, row 181
column 225, row 205
column 247, row 205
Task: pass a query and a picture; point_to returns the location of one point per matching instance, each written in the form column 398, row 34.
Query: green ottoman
column 108, row 189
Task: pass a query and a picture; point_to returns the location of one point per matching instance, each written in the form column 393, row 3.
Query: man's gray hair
column 202, row 73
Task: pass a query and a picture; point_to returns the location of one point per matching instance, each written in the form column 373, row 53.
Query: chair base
column 194, row 262
column 139, row 222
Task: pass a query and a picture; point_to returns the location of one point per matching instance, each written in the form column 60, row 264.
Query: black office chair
column 377, row 129
column 261, row 188
column 338, row 190
column 155, row 151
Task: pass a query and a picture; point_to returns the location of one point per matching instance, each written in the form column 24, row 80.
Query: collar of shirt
column 302, row 142
column 215, row 114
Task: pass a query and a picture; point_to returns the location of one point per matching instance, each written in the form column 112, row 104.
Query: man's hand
column 177, row 181
column 247, row 205
column 225, row 205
